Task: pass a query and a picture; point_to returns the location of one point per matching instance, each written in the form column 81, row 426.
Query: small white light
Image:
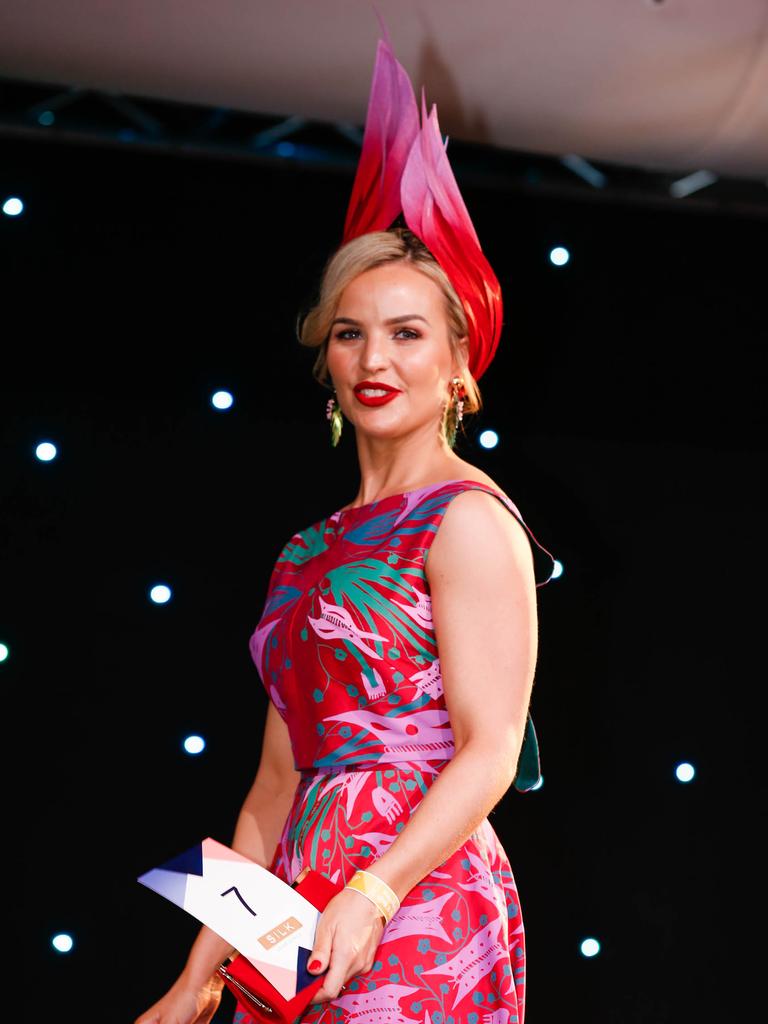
column 194, row 744
column 559, row 256
column 685, row 772
column 539, row 784
column 46, row 451
column 62, row 942
column 4, row 652
column 222, row 400
column 691, row 183
column 585, row 170
column 12, row 206
column 557, row 569
column 590, row 947
column 489, row 439
column 160, row 593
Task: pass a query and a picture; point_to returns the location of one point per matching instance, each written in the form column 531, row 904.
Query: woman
column 398, row 646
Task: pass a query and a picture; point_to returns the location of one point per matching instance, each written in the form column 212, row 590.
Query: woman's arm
column 257, row 834
column 481, row 576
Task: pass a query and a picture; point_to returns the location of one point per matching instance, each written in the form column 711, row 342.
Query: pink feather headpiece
column 404, row 166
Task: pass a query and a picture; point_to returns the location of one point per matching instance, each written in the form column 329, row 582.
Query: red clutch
column 249, row 986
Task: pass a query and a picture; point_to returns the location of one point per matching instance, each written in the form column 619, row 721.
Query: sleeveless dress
column 346, row 651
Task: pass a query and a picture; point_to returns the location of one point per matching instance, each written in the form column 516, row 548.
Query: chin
column 387, row 431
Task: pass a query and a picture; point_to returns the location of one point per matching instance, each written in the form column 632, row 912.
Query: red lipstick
column 375, row 400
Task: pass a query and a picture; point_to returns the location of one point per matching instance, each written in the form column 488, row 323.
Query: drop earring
column 456, row 410
column 333, row 413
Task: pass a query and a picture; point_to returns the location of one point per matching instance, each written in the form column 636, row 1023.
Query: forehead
column 389, row 285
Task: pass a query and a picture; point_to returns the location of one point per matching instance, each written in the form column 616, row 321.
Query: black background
column 629, row 395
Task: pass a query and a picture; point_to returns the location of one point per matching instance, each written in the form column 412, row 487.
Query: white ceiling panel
column 675, row 85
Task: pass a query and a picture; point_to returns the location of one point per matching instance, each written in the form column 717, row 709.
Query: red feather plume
column 404, row 167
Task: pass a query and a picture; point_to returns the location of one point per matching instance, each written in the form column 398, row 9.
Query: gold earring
column 334, row 415
column 456, row 410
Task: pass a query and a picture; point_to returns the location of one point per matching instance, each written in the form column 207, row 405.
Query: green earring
column 333, row 413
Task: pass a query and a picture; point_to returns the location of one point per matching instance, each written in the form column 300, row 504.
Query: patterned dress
column 347, row 653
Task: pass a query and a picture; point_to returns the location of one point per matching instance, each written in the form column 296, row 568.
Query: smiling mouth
column 373, row 397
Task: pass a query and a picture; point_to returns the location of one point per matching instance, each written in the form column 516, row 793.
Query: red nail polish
column 314, row 965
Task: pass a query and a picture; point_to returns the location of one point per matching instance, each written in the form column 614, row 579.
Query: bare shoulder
column 479, row 533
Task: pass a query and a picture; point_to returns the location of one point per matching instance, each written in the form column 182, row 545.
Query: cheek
column 337, row 359
column 424, row 367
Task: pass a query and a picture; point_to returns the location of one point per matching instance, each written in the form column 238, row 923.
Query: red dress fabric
column 346, row 650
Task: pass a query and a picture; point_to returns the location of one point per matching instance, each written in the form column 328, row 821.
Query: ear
column 463, row 347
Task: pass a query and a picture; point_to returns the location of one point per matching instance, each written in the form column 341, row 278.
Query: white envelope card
column 263, row 917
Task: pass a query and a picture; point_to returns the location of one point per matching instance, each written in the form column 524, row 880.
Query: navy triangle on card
column 189, row 863
column 303, row 977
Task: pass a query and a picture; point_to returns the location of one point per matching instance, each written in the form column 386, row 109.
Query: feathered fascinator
column 404, row 167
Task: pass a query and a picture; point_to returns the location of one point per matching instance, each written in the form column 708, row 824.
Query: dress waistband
column 419, row 764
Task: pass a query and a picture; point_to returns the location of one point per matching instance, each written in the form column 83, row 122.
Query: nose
column 373, row 353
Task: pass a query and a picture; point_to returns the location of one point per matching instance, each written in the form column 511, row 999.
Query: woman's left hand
column 348, row 934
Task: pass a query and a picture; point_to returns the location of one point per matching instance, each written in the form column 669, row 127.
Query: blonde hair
column 363, row 253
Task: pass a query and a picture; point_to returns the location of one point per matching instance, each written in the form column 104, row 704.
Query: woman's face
column 391, row 328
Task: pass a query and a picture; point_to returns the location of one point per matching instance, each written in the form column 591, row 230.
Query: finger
column 324, row 995
column 335, row 979
column 320, row 956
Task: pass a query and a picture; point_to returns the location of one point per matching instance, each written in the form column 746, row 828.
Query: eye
column 344, row 335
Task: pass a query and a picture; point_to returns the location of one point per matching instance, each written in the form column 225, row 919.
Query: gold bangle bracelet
column 377, row 891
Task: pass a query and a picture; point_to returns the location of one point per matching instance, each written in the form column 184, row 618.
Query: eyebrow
column 392, row 320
